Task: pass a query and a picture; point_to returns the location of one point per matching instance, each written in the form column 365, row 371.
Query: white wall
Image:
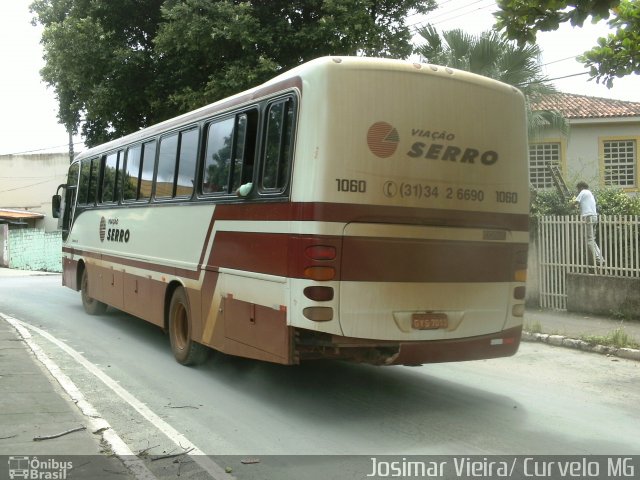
column 29, row 181
column 581, row 149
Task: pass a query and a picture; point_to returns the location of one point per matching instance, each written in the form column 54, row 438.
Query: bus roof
column 286, row 81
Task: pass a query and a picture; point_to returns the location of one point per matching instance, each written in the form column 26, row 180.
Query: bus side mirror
column 56, row 202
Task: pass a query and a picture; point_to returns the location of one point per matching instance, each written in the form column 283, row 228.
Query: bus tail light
column 319, row 294
column 518, row 310
column 320, row 273
column 520, row 275
column 320, row 252
column 519, row 293
column 318, row 314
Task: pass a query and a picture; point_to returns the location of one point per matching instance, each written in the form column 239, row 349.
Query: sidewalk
column 33, row 406
column 575, row 325
column 565, row 329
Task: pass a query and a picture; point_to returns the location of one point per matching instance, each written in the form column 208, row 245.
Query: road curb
column 562, row 341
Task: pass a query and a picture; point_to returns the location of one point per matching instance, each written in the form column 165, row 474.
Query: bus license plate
column 429, row 321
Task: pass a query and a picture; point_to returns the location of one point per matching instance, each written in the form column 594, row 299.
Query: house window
column 620, row 162
column 540, row 155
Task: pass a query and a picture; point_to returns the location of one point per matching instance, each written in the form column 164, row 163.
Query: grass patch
column 535, row 327
column 618, row 338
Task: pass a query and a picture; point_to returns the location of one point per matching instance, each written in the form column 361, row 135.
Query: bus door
column 63, row 205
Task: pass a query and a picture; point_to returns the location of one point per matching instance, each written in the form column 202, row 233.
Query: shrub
column 609, row 200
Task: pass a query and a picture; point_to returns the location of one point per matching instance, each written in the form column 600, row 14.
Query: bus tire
column 91, row 305
column 185, row 350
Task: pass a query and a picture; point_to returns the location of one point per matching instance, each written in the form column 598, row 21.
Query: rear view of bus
column 413, row 227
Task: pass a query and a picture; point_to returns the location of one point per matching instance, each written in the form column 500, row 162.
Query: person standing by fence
column 589, row 214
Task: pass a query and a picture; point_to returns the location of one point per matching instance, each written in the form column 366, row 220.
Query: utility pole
column 71, row 154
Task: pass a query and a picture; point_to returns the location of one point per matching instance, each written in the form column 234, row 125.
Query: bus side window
column 132, row 173
column 146, row 172
column 278, row 146
column 165, row 177
column 94, row 176
column 187, row 162
column 230, row 153
column 244, row 148
column 83, row 186
column 218, row 156
column 110, row 178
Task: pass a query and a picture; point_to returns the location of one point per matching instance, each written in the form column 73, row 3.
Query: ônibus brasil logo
column 383, row 139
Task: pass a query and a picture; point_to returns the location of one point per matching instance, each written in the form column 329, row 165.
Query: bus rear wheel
column 91, row 305
column 186, row 350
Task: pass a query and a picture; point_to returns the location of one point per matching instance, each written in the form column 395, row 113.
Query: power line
column 42, row 149
column 552, row 79
column 561, row 60
column 26, row 186
column 434, row 20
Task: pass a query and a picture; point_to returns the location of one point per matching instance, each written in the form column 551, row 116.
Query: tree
column 491, row 55
column 615, row 56
column 120, row 65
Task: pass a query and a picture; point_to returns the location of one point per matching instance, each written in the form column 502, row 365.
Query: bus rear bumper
column 500, row 344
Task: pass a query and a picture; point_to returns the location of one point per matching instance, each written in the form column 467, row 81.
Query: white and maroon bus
column 359, row 209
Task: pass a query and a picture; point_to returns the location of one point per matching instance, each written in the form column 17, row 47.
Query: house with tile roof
column 601, row 147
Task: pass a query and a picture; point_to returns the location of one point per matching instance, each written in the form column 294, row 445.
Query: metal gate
column 562, row 249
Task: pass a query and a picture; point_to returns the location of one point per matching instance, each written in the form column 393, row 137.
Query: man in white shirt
column 589, row 216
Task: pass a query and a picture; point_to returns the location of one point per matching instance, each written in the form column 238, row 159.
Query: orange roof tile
column 581, row 106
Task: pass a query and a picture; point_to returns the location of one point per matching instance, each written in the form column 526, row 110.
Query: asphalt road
column 544, row 400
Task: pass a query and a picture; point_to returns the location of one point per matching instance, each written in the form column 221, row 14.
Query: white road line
column 217, row 472
column 122, row 451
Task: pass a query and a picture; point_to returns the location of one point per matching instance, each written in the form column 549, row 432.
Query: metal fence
column 562, row 249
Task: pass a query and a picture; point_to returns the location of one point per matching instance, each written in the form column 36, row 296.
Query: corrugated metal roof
column 19, row 214
column 582, row 106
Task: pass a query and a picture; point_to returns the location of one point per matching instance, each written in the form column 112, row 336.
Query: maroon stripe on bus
column 252, row 252
column 408, row 260
column 347, row 212
column 368, row 259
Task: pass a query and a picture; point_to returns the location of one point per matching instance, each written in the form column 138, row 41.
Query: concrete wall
column 610, row 296
column 29, row 181
column 35, row 249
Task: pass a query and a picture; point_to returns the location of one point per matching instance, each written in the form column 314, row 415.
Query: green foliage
column 619, row 53
column 614, row 201
column 549, row 202
column 522, row 19
column 618, row 338
column 119, row 65
column 609, row 201
column 491, row 55
column 614, row 56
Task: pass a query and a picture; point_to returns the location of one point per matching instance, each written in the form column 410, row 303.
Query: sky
column 28, row 122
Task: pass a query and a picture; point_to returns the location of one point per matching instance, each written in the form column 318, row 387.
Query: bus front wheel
column 91, row 305
column 186, row 350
